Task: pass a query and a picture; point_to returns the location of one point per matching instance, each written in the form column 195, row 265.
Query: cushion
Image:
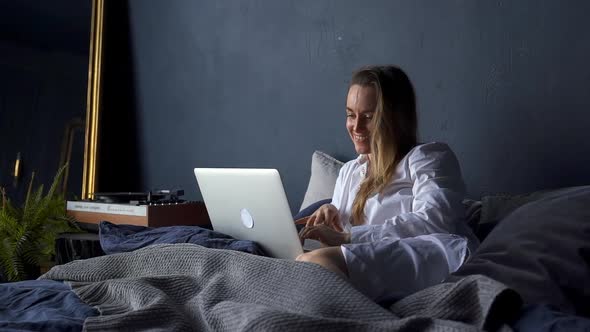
column 472, row 212
column 324, row 172
column 543, row 318
column 308, row 211
column 542, row 250
column 42, row 305
column 496, row 207
column 116, row 238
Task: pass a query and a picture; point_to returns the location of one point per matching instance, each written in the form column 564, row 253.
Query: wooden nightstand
column 74, row 246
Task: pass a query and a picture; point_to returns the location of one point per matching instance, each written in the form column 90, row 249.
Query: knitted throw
column 186, row 287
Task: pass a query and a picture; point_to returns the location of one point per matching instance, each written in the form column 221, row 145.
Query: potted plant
column 28, row 232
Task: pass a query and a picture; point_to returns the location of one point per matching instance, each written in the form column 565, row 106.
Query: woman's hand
column 325, row 235
column 327, row 215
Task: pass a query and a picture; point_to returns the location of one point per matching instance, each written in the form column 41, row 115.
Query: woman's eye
column 368, row 116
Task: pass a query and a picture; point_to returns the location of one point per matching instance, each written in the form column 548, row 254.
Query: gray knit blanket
column 185, row 287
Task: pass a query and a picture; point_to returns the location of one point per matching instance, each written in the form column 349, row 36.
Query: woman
column 399, row 204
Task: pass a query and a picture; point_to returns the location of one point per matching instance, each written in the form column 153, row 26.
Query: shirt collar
column 362, row 162
column 362, row 159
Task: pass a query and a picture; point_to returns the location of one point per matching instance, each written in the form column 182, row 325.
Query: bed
column 530, row 273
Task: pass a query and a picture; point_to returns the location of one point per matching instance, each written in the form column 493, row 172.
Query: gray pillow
column 496, row 207
column 472, row 212
column 542, row 250
column 324, row 172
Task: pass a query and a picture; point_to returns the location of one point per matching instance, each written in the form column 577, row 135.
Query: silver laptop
column 250, row 204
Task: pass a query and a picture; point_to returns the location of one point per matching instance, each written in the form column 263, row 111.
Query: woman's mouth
column 360, row 138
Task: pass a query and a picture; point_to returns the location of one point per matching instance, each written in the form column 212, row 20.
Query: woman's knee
column 329, row 258
column 311, row 257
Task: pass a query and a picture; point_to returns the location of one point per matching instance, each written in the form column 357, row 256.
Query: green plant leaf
column 28, row 233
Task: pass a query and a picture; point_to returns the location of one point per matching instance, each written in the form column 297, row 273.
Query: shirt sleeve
column 438, row 191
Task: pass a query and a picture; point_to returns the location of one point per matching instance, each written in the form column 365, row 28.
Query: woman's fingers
column 302, row 221
column 336, row 224
column 326, row 215
column 332, row 219
column 301, row 238
column 311, row 220
column 324, row 234
column 309, row 233
column 304, row 233
column 317, row 217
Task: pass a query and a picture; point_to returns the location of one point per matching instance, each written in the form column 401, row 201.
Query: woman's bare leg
column 330, row 258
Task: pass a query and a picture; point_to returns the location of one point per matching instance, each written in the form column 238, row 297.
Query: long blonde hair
column 395, row 129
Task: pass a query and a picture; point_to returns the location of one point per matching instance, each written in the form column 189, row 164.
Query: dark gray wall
column 118, row 167
column 56, row 25
column 43, row 82
column 41, row 91
column 262, row 84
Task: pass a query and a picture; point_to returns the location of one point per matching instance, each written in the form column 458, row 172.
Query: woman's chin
column 362, row 149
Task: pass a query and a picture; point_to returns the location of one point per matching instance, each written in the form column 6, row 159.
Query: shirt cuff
column 360, row 234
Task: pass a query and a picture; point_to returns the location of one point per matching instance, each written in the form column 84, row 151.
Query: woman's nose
column 359, row 124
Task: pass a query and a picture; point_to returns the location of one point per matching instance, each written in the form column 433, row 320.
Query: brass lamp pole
column 89, row 173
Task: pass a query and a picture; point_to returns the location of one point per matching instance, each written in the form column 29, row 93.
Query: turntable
column 156, row 208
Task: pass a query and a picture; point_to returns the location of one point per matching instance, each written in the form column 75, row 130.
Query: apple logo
column 247, row 219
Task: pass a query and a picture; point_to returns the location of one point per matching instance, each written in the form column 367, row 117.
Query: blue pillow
column 116, row 238
column 42, row 305
column 311, row 208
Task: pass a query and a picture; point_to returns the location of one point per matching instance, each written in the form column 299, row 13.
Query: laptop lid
column 250, row 204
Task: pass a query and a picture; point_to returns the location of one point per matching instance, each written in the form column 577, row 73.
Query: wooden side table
column 74, row 246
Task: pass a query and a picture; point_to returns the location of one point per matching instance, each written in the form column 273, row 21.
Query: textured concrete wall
column 262, row 83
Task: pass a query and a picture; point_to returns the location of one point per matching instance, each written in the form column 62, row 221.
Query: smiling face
column 360, row 109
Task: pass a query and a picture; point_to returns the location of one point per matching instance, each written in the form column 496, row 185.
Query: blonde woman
column 396, row 220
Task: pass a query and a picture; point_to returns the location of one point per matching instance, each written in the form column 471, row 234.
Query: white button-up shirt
column 424, row 197
column 414, row 233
